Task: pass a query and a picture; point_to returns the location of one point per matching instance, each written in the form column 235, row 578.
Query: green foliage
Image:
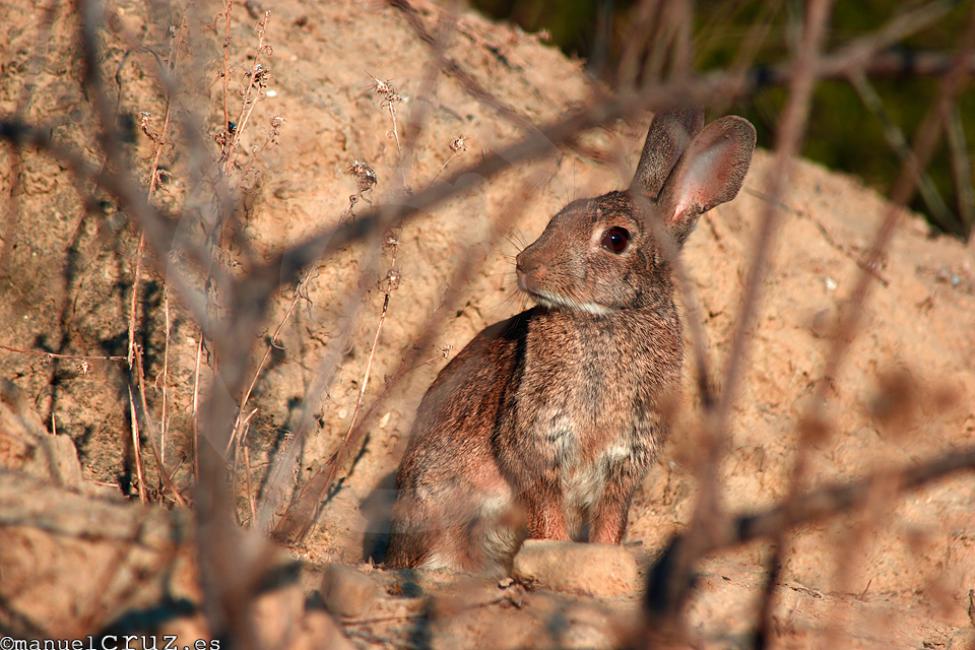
column 843, row 133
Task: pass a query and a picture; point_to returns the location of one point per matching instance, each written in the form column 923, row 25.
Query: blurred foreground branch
column 827, row 501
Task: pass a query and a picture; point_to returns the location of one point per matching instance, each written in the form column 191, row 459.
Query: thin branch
column 260, row 366
column 195, row 412
column 961, row 168
column 827, row 501
column 703, row 91
column 137, row 446
column 708, row 508
column 304, row 509
column 164, row 474
column 392, row 282
column 54, row 355
column 896, row 141
column 286, row 267
column 227, row 6
column 164, row 414
column 255, row 80
column 812, row 425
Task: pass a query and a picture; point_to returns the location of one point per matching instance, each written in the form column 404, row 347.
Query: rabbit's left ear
column 668, row 137
column 710, row 172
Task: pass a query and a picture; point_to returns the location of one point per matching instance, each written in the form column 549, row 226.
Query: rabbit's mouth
column 551, row 300
column 528, row 283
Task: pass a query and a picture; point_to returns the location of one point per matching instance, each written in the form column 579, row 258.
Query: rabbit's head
column 599, row 255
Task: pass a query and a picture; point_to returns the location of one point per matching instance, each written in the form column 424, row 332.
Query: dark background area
column 844, row 133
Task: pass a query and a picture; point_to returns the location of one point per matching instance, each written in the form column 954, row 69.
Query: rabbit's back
column 448, row 477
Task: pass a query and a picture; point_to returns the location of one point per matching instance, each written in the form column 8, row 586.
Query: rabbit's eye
column 616, row 239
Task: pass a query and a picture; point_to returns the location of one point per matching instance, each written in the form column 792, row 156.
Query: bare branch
column 961, row 168
column 791, row 128
column 812, row 423
column 827, row 501
column 715, row 87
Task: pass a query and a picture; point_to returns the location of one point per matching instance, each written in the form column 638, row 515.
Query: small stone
column 347, row 592
column 591, row 569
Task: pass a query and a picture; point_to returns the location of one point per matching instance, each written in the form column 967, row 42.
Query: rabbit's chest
column 585, row 407
column 586, row 428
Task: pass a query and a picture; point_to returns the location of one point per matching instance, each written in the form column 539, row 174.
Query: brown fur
column 546, row 423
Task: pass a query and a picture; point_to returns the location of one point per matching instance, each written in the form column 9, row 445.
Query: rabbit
column 546, row 423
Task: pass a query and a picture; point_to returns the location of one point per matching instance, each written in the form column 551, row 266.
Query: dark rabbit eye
column 616, row 239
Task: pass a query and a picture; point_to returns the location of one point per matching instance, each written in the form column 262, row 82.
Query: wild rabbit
column 546, row 423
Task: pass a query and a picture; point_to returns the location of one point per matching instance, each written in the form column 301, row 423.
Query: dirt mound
column 903, row 578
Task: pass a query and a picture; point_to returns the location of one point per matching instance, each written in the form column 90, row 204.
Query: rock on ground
column 589, row 569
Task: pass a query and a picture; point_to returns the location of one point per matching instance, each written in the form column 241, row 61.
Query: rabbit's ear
column 710, row 172
column 669, row 135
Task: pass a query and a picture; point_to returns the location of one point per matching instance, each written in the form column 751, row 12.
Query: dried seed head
column 364, row 174
column 385, row 89
column 458, row 144
column 260, row 74
column 146, row 127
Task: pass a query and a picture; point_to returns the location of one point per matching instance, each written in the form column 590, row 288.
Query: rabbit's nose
column 525, row 263
column 521, row 272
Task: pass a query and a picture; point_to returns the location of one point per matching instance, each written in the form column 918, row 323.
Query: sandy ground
column 66, row 277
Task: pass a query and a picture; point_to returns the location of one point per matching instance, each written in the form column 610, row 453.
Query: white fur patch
column 499, row 542
column 437, row 562
column 549, row 299
column 584, row 486
column 493, row 506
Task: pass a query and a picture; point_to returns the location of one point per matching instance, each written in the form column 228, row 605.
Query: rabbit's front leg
column 545, row 514
column 532, row 471
column 609, row 515
column 537, row 491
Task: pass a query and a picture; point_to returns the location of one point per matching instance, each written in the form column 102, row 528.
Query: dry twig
column 708, row 509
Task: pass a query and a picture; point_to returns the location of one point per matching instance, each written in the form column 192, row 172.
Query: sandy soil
column 66, row 276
